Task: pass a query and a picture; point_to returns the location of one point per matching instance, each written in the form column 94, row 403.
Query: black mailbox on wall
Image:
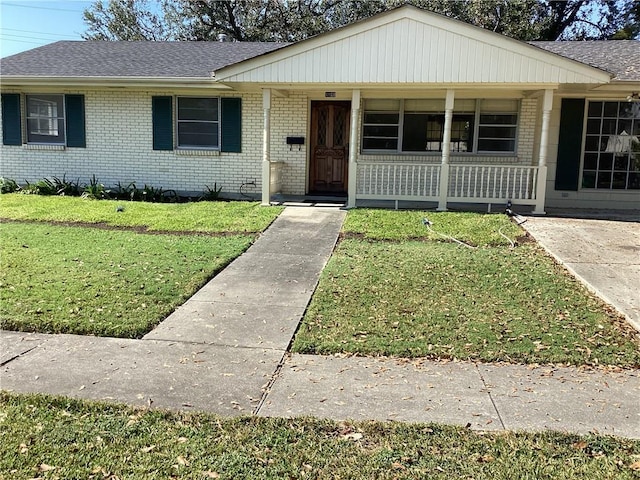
column 299, row 141
column 295, row 140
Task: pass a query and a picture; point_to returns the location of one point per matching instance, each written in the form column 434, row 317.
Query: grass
column 102, row 282
column 216, row 217
column 442, row 300
column 50, row 437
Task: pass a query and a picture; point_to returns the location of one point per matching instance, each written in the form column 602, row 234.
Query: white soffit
column 409, row 45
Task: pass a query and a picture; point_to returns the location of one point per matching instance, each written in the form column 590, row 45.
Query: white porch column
column 353, row 148
column 446, row 150
column 266, row 147
column 541, row 187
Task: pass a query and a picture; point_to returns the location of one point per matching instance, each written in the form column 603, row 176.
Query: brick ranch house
column 404, row 106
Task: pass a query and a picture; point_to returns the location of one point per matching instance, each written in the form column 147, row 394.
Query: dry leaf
column 45, row 468
column 210, row 474
column 182, row 461
column 353, row 436
column 635, row 466
column 182, row 439
column 486, row 459
column 579, row 445
column 24, row 448
column 147, row 449
column 398, row 466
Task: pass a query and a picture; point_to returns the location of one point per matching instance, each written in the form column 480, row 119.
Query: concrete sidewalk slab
column 14, row 344
column 173, row 375
column 230, row 324
column 381, row 389
column 602, row 254
column 565, row 399
column 259, row 299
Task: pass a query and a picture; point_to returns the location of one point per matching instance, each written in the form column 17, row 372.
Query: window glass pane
column 498, row 119
column 619, row 180
column 491, row 145
column 45, row 119
column 592, row 143
column 589, row 179
column 595, row 109
column 198, row 122
column 205, row 109
column 590, row 161
column 380, row 131
column 603, row 180
column 380, row 144
column 415, row 132
column 497, row 132
column 621, row 163
column 606, row 162
column 633, row 182
column 198, row 134
column 611, row 109
column 593, row 125
column 381, row 118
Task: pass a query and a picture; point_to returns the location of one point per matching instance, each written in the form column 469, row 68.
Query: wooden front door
column 328, row 166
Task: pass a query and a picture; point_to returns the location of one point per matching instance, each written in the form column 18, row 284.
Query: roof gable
column 410, row 45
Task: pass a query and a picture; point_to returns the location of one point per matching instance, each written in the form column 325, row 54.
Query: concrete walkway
column 603, row 254
column 224, row 351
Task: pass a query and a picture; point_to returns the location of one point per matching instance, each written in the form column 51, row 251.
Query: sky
column 27, row 24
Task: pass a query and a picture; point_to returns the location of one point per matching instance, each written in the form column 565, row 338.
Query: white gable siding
column 412, row 51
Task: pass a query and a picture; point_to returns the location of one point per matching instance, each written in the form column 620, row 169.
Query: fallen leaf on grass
column 45, row 468
column 635, row 466
column 486, row 459
column 210, row 474
column 182, row 461
column 147, row 449
column 579, row 445
column 398, row 466
column 353, row 436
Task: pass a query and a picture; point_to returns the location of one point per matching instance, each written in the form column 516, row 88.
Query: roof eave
column 123, row 82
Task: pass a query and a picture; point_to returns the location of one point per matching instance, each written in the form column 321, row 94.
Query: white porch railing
column 466, row 183
column 492, row 183
column 398, row 181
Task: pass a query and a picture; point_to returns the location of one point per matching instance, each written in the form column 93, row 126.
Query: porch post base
column 444, row 187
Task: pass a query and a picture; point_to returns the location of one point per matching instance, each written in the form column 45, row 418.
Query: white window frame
column 50, row 120
column 178, row 121
column 597, row 170
column 476, row 129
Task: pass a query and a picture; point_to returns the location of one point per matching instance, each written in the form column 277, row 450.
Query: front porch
column 442, row 177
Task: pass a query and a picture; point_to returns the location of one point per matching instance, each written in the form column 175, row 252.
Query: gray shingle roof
column 199, row 59
column 131, row 59
column 620, row 57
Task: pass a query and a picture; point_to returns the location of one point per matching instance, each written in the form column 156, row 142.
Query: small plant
column 66, row 188
column 95, row 190
column 211, row 194
column 8, row 185
column 41, row 187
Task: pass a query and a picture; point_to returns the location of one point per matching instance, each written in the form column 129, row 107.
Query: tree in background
column 293, row 20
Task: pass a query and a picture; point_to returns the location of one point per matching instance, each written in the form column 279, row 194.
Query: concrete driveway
column 602, row 253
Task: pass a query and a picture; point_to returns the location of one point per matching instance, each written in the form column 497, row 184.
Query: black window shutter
column 162, row 119
column 11, row 119
column 76, row 133
column 231, row 124
column 570, row 144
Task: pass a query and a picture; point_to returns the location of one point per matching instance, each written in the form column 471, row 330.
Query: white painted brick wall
column 119, row 149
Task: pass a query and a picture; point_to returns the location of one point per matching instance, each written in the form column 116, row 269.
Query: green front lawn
column 92, row 281
column 442, row 300
column 48, row 437
column 68, row 278
column 213, row 217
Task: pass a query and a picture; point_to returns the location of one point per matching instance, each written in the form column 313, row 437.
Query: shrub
column 8, row 185
column 95, row 190
column 211, row 194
